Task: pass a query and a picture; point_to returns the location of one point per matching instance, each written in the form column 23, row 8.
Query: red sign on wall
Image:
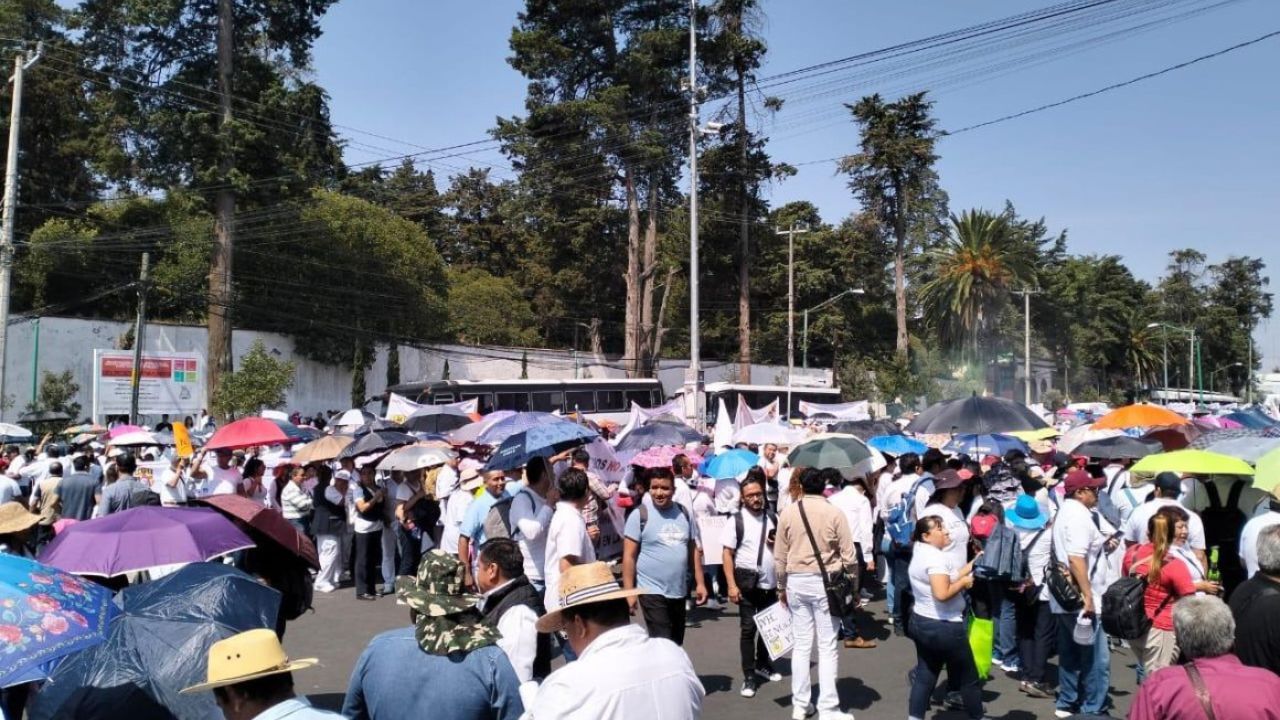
column 116, row 366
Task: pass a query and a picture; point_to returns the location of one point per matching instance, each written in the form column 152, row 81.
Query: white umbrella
column 1077, row 436
column 275, row 415
column 355, row 417
column 137, row 437
column 767, row 432
column 14, row 432
column 415, row 457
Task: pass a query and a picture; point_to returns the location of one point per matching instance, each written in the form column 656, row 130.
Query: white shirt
column 1074, row 534
column 957, row 527
column 857, row 511
column 1135, row 528
column 1037, row 555
column 745, row 555
column 530, row 517
column 1249, row 539
column 622, row 675
column 1127, row 499
column 684, row 493
column 928, row 560
column 222, row 481
column 518, row 627
column 455, row 510
column 295, row 502
column 566, row 537
column 899, row 488
column 9, row 490
column 446, row 482
column 175, row 495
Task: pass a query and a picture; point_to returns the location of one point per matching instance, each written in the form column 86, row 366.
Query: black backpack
column 1124, row 608
column 1222, row 523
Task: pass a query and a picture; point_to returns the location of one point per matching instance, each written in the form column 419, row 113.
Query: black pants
column 664, row 617
column 901, row 559
column 368, row 570
column 410, row 551
column 750, row 645
column 1036, row 633
column 938, row 645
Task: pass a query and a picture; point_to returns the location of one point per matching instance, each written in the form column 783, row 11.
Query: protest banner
column 774, row 625
column 182, row 440
column 711, row 530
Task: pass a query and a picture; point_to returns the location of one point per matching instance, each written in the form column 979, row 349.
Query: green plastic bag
column 981, row 637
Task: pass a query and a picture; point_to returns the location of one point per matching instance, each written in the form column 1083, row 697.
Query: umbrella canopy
column 1268, row 471
column 1210, row 437
column 143, row 538
column 1192, row 462
column 94, row 428
column 656, row 434
column 979, row 445
column 376, row 442
column 768, row 433
column 353, row 418
column 1248, row 449
column 47, row 614
column 975, row 414
column 1174, row 438
column 137, row 437
column 374, row 425
column 436, row 422
column 14, row 431
column 1081, row 434
column 896, row 444
column 119, row 430
column 44, row 416
column 251, row 431
column 324, row 449
column 729, row 464
column 517, row 423
column 1119, row 447
column 261, row 524
column 865, row 429
column 157, row 646
column 842, row 453
column 1031, row 435
column 538, row 441
column 663, row 455
column 471, row 433
column 415, row 457
column 1144, row 416
column 1249, row 420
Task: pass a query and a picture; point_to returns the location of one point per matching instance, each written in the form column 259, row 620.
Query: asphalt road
column 872, row 683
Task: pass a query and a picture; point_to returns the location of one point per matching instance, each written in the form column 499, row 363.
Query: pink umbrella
column 119, row 430
column 662, row 456
column 1229, row 424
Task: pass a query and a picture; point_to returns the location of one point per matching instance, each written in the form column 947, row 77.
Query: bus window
column 548, row 401
column 607, row 400
column 442, row 398
column 484, row 402
column 513, row 401
column 579, row 400
column 656, row 396
column 643, row 398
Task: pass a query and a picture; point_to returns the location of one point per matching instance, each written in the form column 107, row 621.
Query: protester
column 1225, row 503
column 1252, row 529
column 10, row 490
column 1168, row 488
column 853, row 502
column 622, row 673
column 252, row 679
column 220, row 479
column 660, row 549
column 15, row 526
column 531, row 511
column 364, row 513
column 119, row 495
column 295, row 503
column 389, row 483
column 1211, row 682
column 1256, row 606
column 567, row 541
column 598, row 493
column 937, row 621
column 753, row 584
column 686, row 480
column 803, row 563
column 1034, row 620
column 410, row 506
column 329, row 522
column 772, row 466
column 512, row 604
column 455, row 509
column 907, row 493
column 77, row 493
column 471, row 533
column 46, row 502
column 253, row 482
column 446, row 666
column 1168, row 578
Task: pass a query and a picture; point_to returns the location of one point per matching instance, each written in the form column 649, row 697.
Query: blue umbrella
column 45, row 615
column 538, row 441
column 729, row 464
column 496, row 433
column 979, row 445
column 1250, row 420
column 897, row 444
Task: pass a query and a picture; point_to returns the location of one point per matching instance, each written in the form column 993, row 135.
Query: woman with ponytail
column 1168, row 578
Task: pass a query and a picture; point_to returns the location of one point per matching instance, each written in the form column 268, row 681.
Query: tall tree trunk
column 218, row 350
column 593, row 335
column 899, row 268
column 650, row 263
column 744, row 234
column 661, row 330
column 632, row 325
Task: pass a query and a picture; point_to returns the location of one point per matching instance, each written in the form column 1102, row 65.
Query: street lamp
column 1191, row 356
column 805, row 337
column 1228, row 366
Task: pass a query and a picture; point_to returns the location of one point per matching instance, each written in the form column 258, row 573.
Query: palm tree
column 1140, row 353
column 972, row 276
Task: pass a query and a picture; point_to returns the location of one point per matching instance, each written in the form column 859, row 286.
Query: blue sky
column 1188, row 159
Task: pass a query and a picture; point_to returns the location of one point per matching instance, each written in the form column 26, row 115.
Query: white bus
column 596, row 399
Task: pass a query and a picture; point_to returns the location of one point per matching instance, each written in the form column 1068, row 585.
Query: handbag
column 1062, row 584
column 981, row 634
column 750, row 579
column 841, row 595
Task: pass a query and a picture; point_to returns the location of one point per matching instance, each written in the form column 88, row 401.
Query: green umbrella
column 1193, row 462
column 1268, row 475
column 842, row 453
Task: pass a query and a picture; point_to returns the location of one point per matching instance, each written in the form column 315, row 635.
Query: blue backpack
column 902, row 521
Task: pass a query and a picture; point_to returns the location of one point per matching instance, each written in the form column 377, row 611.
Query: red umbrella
column 248, row 432
column 261, row 522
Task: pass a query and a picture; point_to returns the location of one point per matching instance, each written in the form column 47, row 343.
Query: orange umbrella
column 1139, row 416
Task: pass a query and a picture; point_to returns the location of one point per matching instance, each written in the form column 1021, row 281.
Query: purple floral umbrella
column 143, row 538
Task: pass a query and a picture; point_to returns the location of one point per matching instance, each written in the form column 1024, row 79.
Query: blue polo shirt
column 472, row 526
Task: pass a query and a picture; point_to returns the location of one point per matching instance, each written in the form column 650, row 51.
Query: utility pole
column 20, row 64
column 1248, row 385
column 138, row 329
column 694, row 379
column 220, row 322
column 1191, row 368
column 791, row 305
column 1026, row 294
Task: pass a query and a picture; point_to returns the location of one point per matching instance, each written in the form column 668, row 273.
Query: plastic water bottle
column 1213, row 575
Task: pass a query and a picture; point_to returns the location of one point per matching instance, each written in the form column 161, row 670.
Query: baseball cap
column 1078, row 479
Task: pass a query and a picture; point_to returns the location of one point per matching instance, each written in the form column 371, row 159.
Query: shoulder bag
column 750, row 579
column 841, row 592
column 1202, row 690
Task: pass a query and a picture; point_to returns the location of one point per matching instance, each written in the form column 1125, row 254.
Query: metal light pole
column 804, row 336
column 695, row 362
column 1026, row 294
column 1164, row 342
column 1214, row 374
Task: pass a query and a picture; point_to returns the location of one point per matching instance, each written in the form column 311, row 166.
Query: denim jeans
column 942, row 644
column 410, row 551
column 1005, row 615
column 886, row 563
column 901, row 562
column 1084, row 672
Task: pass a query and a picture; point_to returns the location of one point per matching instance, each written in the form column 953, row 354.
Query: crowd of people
column 523, row 584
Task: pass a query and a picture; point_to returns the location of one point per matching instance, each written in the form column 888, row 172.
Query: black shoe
column 899, row 630
column 1035, row 689
column 749, row 687
column 366, row 596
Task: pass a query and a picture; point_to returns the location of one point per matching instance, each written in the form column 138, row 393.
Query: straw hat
column 583, row 585
column 14, row 517
column 247, row 656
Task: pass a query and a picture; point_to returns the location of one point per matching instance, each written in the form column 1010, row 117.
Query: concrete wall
column 68, row 344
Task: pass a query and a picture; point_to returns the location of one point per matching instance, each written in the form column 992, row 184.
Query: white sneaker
column 747, row 691
column 712, row 604
column 774, row 676
column 800, row 712
column 837, row 715
column 324, row 588
column 1062, row 713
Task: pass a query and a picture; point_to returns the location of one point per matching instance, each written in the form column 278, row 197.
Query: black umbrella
column 866, row 429
column 656, row 434
column 376, row 442
column 977, row 415
column 375, row 425
column 44, row 416
column 1118, row 448
column 435, row 422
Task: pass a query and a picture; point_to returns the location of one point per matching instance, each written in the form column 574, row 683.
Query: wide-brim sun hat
column 14, row 517
column 446, row 619
column 247, row 656
column 582, row 585
column 1026, row 514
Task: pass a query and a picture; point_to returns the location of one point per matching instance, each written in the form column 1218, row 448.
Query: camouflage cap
column 438, row 588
